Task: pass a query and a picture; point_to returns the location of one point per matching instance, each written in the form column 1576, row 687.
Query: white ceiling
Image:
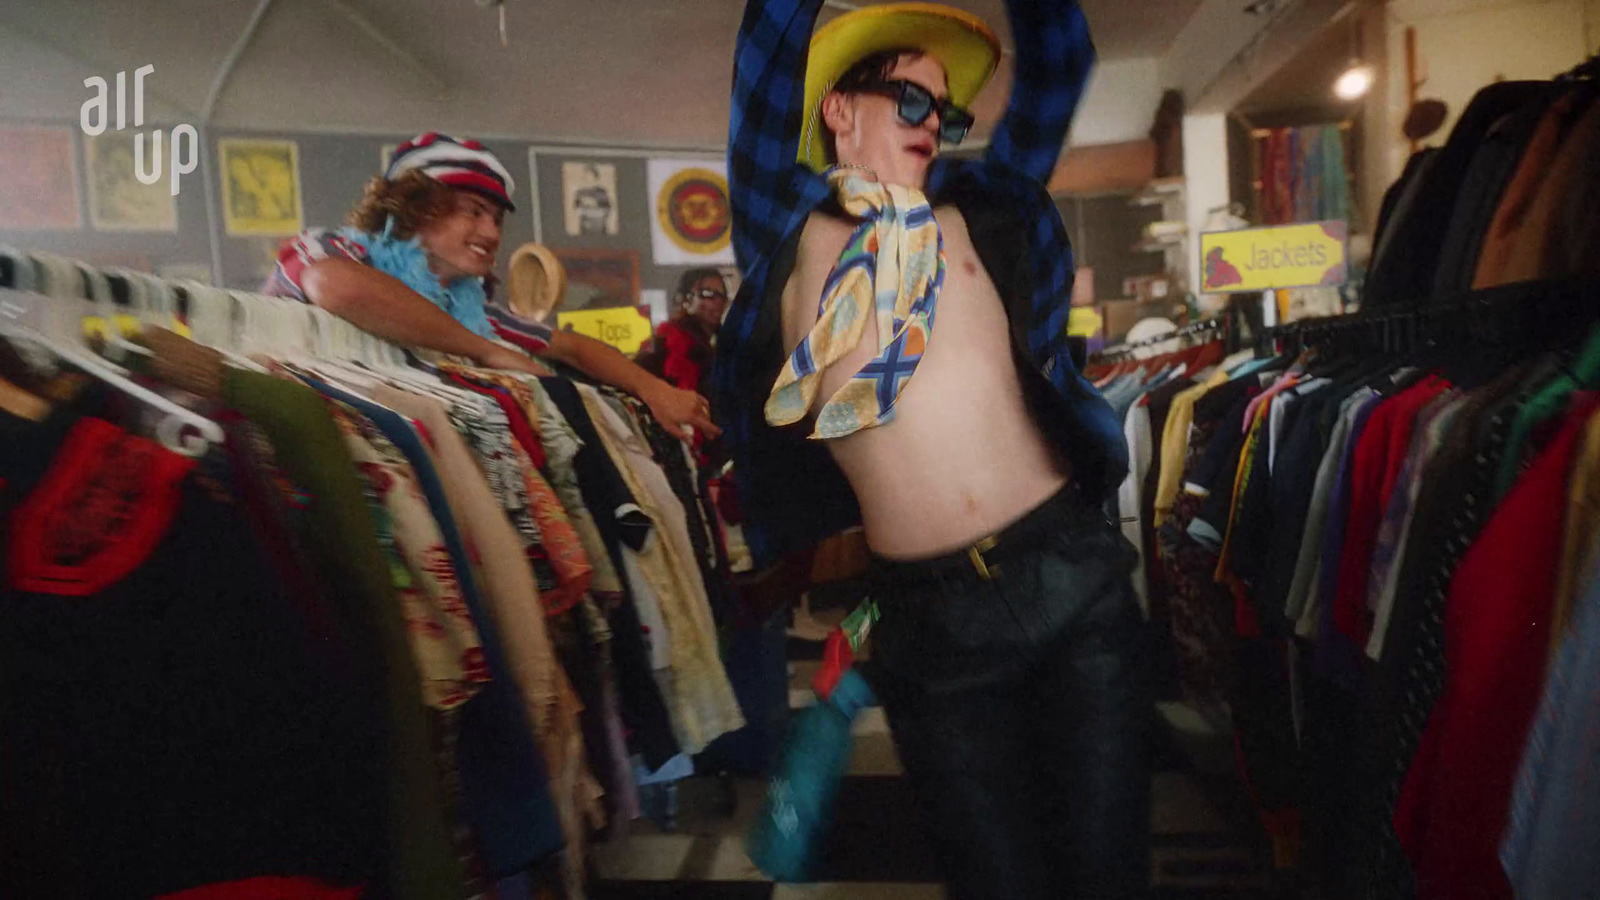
column 628, row 72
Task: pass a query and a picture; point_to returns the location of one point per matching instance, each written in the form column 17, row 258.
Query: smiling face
column 462, row 242
column 868, row 131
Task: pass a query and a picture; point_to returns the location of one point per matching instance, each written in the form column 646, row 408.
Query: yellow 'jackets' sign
column 1285, row 256
column 623, row 327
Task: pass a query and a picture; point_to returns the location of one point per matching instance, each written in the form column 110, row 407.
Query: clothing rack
column 1219, row 326
column 1544, row 312
column 1587, row 70
column 627, row 532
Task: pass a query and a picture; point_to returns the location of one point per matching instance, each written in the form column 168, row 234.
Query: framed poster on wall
column 41, row 190
column 600, row 279
column 260, row 187
column 692, row 222
column 589, row 198
column 118, row 200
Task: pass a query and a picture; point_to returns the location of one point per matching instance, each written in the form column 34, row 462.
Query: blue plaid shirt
column 791, row 491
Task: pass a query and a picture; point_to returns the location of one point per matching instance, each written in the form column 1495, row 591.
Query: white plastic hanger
column 170, row 431
column 105, row 304
column 212, row 323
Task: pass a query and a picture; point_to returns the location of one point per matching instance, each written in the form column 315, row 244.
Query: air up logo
column 96, row 111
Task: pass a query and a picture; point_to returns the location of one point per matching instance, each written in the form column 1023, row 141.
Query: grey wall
column 141, row 250
column 333, row 171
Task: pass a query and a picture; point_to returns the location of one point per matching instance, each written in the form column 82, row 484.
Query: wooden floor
column 1202, row 842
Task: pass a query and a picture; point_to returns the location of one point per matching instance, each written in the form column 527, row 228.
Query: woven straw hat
column 537, row 282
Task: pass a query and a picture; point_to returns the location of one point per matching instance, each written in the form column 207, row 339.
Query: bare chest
column 970, row 326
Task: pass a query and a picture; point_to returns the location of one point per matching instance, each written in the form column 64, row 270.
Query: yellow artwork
column 1283, row 256
column 261, row 187
column 118, row 200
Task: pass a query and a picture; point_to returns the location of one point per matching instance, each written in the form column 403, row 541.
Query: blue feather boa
column 463, row 298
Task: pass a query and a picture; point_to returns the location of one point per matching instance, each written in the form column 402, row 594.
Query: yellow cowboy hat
column 536, row 282
column 959, row 40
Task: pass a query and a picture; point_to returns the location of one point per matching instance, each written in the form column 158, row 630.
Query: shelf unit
column 1171, row 195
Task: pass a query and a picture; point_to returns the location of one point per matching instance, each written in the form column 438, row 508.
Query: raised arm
column 384, row 305
column 1053, row 57
column 769, row 73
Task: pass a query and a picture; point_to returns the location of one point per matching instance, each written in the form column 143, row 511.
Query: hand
column 680, row 412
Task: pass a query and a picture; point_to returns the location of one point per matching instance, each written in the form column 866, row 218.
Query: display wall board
column 1285, row 256
column 597, row 201
column 265, row 192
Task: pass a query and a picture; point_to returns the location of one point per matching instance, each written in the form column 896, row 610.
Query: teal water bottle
column 800, row 797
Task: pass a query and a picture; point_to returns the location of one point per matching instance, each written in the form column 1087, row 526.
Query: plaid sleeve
column 1054, row 54
column 769, row 70
column 310, row 246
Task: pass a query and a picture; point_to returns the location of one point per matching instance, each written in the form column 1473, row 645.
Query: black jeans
column 1019, row 709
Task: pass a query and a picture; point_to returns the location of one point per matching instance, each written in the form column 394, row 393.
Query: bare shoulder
column 821, row 242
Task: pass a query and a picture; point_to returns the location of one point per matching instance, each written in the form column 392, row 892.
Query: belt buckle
column 975, row 554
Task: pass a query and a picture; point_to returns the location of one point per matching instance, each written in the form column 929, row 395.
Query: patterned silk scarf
column 893, row 267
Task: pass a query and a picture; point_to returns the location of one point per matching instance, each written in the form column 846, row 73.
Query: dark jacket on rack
column 1404, row 271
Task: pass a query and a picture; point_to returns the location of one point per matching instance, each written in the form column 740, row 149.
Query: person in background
column 683, row 346
column 977, row 458
column 413, row 264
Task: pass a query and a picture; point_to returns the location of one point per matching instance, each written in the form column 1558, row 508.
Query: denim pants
column 1013, row 689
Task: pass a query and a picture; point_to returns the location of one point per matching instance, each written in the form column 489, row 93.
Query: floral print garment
column 488, row 434
column 444, row 638
column 1201, row 610
column 569, row 556
column 561, row 446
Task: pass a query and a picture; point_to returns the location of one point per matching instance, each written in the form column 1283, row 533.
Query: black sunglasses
column 915, row 103
column 709, row 294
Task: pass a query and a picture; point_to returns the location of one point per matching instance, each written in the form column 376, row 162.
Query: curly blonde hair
column 410, row 201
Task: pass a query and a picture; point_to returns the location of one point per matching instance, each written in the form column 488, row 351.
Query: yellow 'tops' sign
column 623, row 327
column 1284, row 256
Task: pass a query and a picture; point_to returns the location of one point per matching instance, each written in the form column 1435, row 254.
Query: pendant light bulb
column 1354, row 83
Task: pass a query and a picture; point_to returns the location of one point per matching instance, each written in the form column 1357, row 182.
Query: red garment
column 520, row 429
column 268, row 888
column 1205, row 356
column 1379, row 455
column 685, row 355
column 97, row 515
column 1453, row 807
column 1416, row 400
column 682, row 358
column 526, row 342
column 837, row 659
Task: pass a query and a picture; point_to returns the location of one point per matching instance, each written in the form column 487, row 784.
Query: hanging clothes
column 440, row 726
column 1302, row 175
column 1554, row 823
column 702, row 698
column 313, row 454
column 1453, row 808
column 133, row 697
column 1378, row 532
